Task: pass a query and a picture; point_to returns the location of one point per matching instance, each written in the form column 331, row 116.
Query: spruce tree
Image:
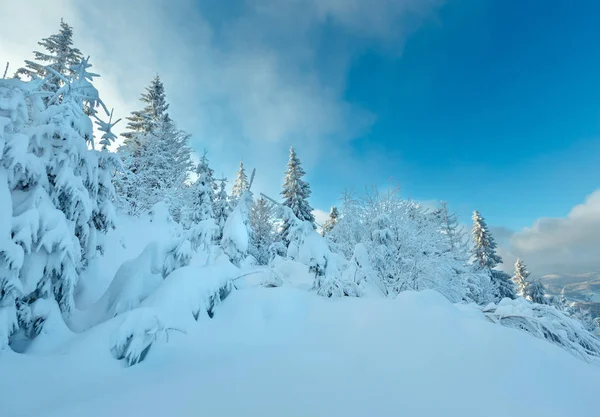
column 536, row 293
column 222, row 208
column 331, row 220
column 520, row 279
column 261, row 221
column 153, row 113
column 486, row 259
column 55, row 192
column 296, row 192
column 60, row 55
column 156, row 157
column 202, row 193
column 241, row 182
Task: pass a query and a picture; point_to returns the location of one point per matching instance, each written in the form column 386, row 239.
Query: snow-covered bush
column 237, row 232
column 546, row 322
column 405, row 245
column 133, row 338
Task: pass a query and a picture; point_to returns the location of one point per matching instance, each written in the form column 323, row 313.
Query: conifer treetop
column 60, row 55
column 154, row 112
column 241, row 182
column 296, row 191
column 484, row 250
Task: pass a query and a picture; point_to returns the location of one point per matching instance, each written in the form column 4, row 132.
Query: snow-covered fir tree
column 59, row 55
column 202, row 193
column 261, row 221
column 477, row 283
column 222, row 208
column 296, row 192
column 535, row 292
column 240, row 185
column 153, row 113
column 331, row 220
column 520, row 279
column 56, row 192
column 486, row 259
column 156, row 158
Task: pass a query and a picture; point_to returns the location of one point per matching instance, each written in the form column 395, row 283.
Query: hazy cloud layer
column 246, row 78
column 559, row 246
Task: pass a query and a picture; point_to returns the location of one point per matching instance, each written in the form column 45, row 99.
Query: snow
column 287, row 352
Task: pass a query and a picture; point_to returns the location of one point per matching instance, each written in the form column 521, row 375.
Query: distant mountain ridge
column 584, row 289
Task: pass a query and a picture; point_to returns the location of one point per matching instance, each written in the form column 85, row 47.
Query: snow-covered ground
column 287, row 352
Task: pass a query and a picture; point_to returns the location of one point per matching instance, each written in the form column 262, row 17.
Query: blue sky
column 488, row 104
column 492, row 105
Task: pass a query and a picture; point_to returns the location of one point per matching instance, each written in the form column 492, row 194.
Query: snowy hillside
column 285, row 352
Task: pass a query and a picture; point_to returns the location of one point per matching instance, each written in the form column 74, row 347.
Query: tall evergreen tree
column 202, row 193
column 296, row 192
column 241, row 182
column 222, row 207
column 536, row 293
column 55, row 191
column 156, row 157
column 60, row 55
column 153, row 113
column 520, row 279
column 486, row 259
column 261, row 221
column 331, row 220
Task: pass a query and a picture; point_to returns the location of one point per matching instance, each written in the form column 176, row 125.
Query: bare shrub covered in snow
column 546, row 322
column 405, row 245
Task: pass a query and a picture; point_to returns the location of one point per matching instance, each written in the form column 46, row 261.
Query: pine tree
column 241, row 182
column 156, row 158
column 222, row 209
column 261, row 221
column 331, row 220
column 60, row 55
column 296, row 192
column 58, row 191
column 520, row 279
column 202, row 193
column 146, row 120
column 535, row 292
column 486, row 259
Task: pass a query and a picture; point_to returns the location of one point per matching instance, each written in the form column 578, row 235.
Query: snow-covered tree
column 153, row 113
column 261, row 221
column 406, row 249
column 240, row 185
column 59, row 55
column 520, row 279
column 237, row 233
column 296, row 192
column 222, row 208
column 477, row 283
column 59, row 193
column 535, row 292
column 331, row 220
column 485, row 258
column 202, row 193
column 156, row 157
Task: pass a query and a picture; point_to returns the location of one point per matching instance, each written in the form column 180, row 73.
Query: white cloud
column 560, row 246
column 320, row 216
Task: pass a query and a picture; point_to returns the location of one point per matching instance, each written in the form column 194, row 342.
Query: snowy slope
column 287, row 352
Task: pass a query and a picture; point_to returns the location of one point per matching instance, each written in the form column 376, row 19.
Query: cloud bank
column 566, row 246
column 248, row 78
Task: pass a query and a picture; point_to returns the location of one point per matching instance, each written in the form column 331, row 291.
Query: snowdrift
column 286, row 352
